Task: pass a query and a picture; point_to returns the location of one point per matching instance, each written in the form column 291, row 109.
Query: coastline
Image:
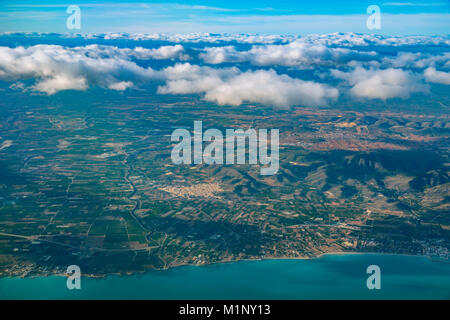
column 341, row 276
column 222, row 262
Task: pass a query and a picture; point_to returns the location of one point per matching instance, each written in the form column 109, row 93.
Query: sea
column 331, row 276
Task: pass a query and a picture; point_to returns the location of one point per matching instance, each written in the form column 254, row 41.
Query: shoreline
column 133, row 273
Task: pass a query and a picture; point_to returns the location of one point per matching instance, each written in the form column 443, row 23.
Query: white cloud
column 17, row 86
column 324, row 50
column 382, row 84
column 164, row 52
column 217, row 55
column 121, row 86
column 56, row 68
column 418, row 60
column 195, row 37
column 367, row 66
column 229, row 86
column 161, row 53
column 433, row 75
column 58, row 82
column 297, row 53
column 336, row 39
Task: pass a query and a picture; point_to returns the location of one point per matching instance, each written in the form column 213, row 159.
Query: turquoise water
column 327, row 277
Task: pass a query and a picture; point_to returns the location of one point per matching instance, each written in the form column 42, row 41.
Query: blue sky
column 232, row 16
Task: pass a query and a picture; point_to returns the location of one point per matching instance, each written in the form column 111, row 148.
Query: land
column 90, row 182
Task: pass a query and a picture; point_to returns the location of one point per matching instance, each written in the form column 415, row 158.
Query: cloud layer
column 382, row 84
column 297, row 53
column 432, row 75
column 279, row 71
column 56, row 68
column 232, row 87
